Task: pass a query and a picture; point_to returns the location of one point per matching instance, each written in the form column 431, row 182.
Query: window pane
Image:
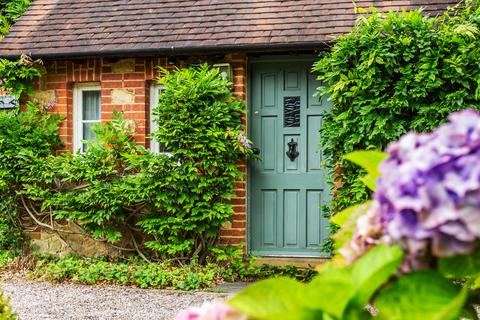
column 88, row 134
column 91, row 105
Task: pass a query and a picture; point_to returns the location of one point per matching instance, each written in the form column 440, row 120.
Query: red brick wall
column 62, row 75
column 235, row 233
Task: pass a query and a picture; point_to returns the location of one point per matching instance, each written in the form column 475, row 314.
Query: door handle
column 256, row 151
column 292, row 152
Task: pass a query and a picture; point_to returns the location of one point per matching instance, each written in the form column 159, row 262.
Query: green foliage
column 348, row 290
column 161, row 206
column 25, row 137
column 421, row 295
column 395, row 72
column 199, row 122
column 16, row 75
column 11, row 11
column 370, row 161
column 270, row 299
column 132, row 272
column 5, row 310
column 229, row 266
column 347, row 221
column 342, row 293
column 377, row 277
column 461, row 266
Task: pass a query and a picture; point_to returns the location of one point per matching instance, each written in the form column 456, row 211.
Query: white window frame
column 78, row 113
column 154, row 98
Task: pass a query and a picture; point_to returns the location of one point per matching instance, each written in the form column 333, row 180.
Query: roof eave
column 265, row 47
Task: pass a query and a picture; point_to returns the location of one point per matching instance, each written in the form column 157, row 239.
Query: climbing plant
column 157, row 205
column 393, row 73
column 11, row 11
column 16, row 75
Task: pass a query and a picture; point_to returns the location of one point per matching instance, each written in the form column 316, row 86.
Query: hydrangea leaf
column 278, row 298
column 419, row 296
column 461, row 266
column 370, row 161
column 347, row 219
column 373, row 270
column 328, row 284
column 351, row 213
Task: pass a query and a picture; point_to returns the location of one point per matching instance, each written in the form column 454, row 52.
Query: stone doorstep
column 284, row 261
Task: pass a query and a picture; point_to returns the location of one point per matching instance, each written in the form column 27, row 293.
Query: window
column 155, row 91
column 86, row 113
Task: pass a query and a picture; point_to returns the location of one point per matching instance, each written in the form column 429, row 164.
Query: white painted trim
column 78, row 113
column 154, row 97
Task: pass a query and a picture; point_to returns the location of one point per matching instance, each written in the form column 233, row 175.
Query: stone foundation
column 48, row 242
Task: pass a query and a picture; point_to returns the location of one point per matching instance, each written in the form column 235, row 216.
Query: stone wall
column 49, row 242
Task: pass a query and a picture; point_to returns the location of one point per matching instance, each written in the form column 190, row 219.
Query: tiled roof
column 106, row 27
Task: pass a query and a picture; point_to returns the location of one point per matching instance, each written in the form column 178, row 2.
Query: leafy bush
column 199, row 122
column 5, row 310
column 167, row 274
column 161, row 206
column 16, row 75
column 395, row 73
column 133, row 272
column 11, row 11
column 25, row 137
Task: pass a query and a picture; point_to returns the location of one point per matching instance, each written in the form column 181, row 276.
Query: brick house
column 103, row 55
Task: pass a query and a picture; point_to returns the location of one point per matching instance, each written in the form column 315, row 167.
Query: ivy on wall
column 394, row 73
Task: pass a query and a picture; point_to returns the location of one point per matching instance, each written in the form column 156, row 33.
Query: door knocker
column 292, row 152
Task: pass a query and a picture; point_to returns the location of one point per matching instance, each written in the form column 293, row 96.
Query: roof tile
column 87, row 27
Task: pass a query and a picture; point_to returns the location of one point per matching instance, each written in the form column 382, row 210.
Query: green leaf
column 419, row 296
column 334, row 283
column 461, row 266
column 370, row 161
column 370, row 181
column 351, row 213
column 373, row 270
column 271, row 299
column 347, row 219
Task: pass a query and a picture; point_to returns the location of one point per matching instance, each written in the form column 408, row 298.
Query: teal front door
column 288, row 185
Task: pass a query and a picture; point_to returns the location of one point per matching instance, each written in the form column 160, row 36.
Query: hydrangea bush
column 428, row 195
column 412, row 252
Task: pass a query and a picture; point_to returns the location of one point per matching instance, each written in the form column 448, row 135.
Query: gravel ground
column 40, row 300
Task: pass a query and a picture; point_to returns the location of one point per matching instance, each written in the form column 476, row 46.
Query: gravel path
column 40, row 300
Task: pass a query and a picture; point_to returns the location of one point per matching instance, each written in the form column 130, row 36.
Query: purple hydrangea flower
column 428, row 196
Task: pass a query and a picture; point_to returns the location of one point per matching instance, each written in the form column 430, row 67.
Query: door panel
column 285, row 195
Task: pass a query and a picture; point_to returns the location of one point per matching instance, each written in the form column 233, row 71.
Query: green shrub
column 5, row 310
column 161, row 206
column 11, row 11
column 25, row 137
column 395, row 73
column 136, row 272
column 16, row 75
column 199, row 122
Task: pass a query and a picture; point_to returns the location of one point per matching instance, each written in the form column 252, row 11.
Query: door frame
column 251, row 61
